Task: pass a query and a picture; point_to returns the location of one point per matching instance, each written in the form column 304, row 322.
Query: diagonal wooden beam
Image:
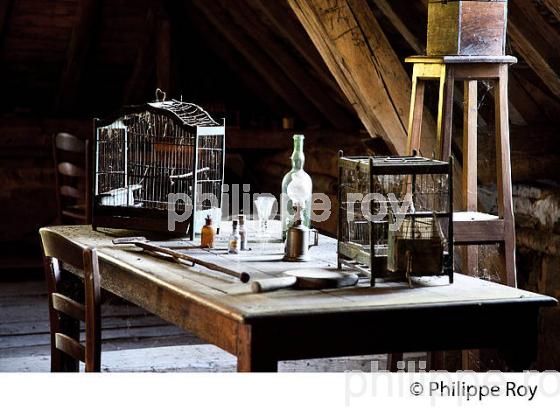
column 81, row 39
column 361, row 59
column 553, row 6
column 385, row 7
column 285, row 22
column 309, row 86
column 533, row 58
column 263, row 64
column 248, row 76
column 144, row 64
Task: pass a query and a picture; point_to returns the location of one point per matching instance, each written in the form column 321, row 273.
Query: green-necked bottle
column 297, row 189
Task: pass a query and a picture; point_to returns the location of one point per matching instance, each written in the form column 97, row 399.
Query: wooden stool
column 470, row 226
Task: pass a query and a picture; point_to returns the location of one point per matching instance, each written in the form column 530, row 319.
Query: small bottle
column 242, row 234
column 234, row 239
column 207, row 234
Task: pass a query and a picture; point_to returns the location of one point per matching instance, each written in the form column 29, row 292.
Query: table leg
column 254, row 355
column 520, row 352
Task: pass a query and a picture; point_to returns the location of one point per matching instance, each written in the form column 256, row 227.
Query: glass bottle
column 296, row 187
column 234, row 242
column 207, row 234
column 242, row 234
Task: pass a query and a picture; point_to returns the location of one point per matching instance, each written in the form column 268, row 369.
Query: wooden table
column 262, row 329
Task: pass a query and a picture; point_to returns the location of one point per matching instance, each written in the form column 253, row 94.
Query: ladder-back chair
column 65, row 313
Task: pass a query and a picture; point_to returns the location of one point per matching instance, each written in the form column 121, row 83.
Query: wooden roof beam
column 264, row 65
column 243, row 15
column 144, row 64
column 286, row 23
column 385, row 7
column 361, row 59
column 534, row 59
column 251, row 79
column 553, row 6
column 81, row 39
column 536, row 41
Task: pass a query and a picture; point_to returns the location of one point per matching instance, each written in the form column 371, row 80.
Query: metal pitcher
column 299, row 239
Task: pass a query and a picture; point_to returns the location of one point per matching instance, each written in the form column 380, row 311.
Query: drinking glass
column 264, row 209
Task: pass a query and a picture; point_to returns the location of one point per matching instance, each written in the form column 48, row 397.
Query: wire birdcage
column 395, row 216
column 156, row 159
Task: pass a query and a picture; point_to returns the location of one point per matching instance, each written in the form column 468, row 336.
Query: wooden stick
column 142, row 243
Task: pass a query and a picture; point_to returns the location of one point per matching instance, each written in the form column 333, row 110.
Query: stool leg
column 416, row 113
column 470, row 184
column 505, row 201
column 446, row 137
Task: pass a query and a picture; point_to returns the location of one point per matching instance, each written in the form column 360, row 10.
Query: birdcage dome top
column 190, row 114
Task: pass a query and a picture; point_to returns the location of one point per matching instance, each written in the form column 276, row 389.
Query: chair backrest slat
column 70, row 170
column 70, row 346
column 69, row 142
column 69, row 191
column 64, row 304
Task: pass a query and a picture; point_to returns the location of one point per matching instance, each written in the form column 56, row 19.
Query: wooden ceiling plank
column 285, row 22
column 533, row 58
column 251, row 79
column 163, row 61
column 261, row 62
column 81, row 39
column 385, row 7
column 244, row 17
column 553, row 6
column 144, row 64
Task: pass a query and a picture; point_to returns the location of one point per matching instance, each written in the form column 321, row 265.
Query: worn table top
column 228, row 296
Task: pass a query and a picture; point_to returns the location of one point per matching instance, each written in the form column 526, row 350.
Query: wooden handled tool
column 143, row 243
column 306, row 279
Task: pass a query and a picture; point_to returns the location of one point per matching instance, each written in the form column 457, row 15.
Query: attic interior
column 265, row 67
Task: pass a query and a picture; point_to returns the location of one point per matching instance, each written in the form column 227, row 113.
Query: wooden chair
column 65, row 313
column 71, row 161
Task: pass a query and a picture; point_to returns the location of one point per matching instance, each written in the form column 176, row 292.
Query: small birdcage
column 158, row 161
column 395, row 216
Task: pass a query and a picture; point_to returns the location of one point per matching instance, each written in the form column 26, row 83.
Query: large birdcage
column 158, row 161
column 395, row 216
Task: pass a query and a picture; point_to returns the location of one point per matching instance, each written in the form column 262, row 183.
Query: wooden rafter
column 144, row 64
column 163, row 55
column 251, row 80
column 534, row 39
column 285, row 23
column 534, row 59
column 310, row 87
column 390, row 14
column 553, row 6
column 263, row 64
column 81, row 39
column 361, row 59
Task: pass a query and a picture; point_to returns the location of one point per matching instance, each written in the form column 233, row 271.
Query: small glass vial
column 242, row 234
column 234, row 243
column 207, row 234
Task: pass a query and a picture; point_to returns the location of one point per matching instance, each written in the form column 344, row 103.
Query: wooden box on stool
column 467, row 27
